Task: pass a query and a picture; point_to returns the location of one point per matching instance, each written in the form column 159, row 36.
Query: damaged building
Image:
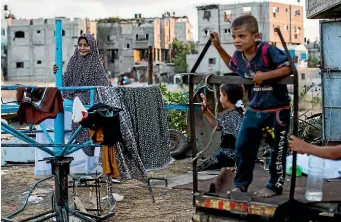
column 125, row 44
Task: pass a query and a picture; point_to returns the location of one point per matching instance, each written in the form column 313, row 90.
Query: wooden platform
column 331, row 190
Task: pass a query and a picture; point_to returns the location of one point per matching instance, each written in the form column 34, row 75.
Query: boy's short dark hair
column 246, row 21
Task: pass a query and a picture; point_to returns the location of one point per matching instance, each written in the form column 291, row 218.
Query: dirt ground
column 171, row 205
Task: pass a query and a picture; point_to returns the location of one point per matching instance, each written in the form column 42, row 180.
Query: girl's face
column 83, row 47
column 224, row 100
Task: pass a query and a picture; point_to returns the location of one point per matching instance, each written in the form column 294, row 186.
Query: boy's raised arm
column 223, row 54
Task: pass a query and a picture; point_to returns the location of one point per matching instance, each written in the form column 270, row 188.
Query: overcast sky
column 127, row 8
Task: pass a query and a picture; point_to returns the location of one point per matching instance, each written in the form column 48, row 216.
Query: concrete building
column 314, row 51
column 31, row 46
column 218, row 18
column 125, row 43
column 6, row 19
column 183, row 29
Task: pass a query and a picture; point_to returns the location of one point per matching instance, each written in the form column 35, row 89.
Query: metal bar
column 46, row 217
column 47, row 135
column 180, row 107
column 92, row 97
column 8, row 220
column 59, row 120
column 201, row 56
column 66, row 88
column 73, row 137
column 71, row 211
column 150, row 64
column 88, row 215
column 37, row 215
column 111, row 214
column 193, row 136
column 239, row 80
column 89, row 143
column 295, row 120
column 24, row 137
column 13, row 133
column 193, row 140
column 60, row 88
column 47, row 145
column 36, row 131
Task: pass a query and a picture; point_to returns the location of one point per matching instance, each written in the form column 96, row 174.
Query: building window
column 112, row 55
column 207, row 32
column 246, row 10
column 227, row 16
column 3, row 31
column 302, row 76
column 286, row 10
column 227, row 30
column 38, row 31
column 211, row 61
column 137, row 37
column 275, row 9
column 20, row 65
column 39, row 62
column 297, row 12
column 108, row 38
column 81, row 32
column 19, row 34
column 147, row 36
column 286, row 27
column 207, row 15
column 298, row 30
column 295, row 36
column 127, row 46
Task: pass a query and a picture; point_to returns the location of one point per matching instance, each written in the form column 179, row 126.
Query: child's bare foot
column 265, row 193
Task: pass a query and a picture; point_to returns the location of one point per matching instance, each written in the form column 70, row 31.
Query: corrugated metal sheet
column 331, row 79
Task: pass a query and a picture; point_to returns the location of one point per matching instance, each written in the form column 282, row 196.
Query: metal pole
column 193, row 141
column 59, row 121
column 295, row 120
column 150, row 64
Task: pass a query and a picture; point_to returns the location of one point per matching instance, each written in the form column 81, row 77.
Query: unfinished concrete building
column 31, row 46
column 183, row 29
column 125, row 43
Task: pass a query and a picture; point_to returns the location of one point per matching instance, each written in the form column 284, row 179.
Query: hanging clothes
column 107, row 118
column 127, row 155
column 104, row 126
column 143, row 123
column 149, row 122
column 108, row 153
column 84, row 71
column 38, row 104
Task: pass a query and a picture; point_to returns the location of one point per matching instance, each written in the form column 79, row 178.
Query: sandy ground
column 171, row 205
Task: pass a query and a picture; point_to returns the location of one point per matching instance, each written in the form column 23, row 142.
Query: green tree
column 314, row 61
column 180, row 50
